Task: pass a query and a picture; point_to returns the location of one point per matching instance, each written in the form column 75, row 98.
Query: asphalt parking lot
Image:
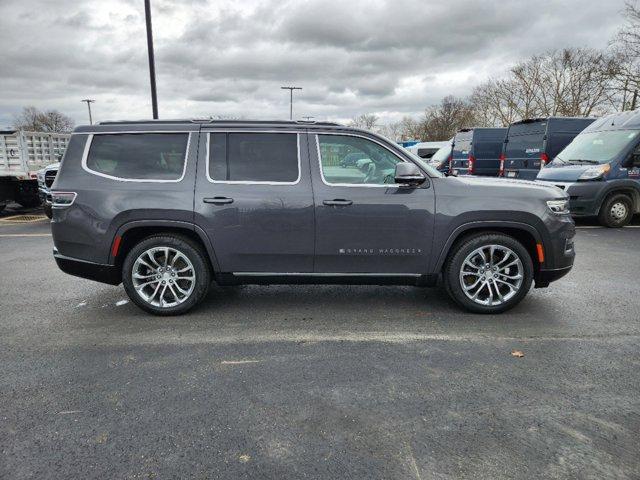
column 320, row 381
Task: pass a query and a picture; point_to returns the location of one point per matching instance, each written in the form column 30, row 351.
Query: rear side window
column 254, row 157
column 138, row 156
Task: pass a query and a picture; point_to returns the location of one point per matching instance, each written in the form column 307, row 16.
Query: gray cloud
column 229, row 58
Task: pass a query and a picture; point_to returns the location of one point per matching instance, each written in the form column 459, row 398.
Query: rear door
column 365, row 222
column 253, row 197
column 523, row 148
column 486, row 149
column 461, row 152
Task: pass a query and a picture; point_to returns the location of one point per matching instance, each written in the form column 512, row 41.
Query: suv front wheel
column 166, row 274
column 488, row 273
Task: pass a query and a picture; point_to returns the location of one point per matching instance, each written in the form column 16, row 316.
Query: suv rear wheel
column 616, row 211
column 488, row 273
column 166, row 274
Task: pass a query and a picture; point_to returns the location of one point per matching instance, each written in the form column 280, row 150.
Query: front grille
column 49, row 177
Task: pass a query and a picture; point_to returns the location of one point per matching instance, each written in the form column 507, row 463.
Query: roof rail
column 215, row 120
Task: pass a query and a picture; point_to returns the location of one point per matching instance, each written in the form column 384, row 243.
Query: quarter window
column 254, row 157
column 139, row 156
column 355, row 161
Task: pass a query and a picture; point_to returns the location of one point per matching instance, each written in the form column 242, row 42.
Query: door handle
column 218, row 200
column 338, row 202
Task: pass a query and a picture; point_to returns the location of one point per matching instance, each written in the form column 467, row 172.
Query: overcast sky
column 230, row 58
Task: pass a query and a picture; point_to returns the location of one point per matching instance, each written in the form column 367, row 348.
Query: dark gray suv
column 165, row 207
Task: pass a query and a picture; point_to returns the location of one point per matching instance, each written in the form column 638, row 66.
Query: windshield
column 441, row 155
column 596, row 147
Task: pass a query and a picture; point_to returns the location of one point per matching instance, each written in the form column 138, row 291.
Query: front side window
column 138, row 156
column 254, row 157
column 355, row 161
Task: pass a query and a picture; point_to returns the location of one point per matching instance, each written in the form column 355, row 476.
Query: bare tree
column 442, row 121
column 626, row 49
column 570, row 82
column 367, row 121
column 34, row 120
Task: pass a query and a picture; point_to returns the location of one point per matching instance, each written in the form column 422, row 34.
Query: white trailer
column 22, row 154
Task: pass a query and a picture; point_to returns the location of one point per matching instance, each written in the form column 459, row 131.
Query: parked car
column 46, row 176
column 442, row 158
column 476, row 151
column 165, row 207
column 600, row 170
column 427, row 149
column 530, row 144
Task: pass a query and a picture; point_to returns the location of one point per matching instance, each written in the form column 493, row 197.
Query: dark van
column 476, row 151
column 600, row 170
column 532, row 143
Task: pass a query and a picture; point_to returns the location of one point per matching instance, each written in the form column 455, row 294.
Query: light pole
column 152, row 62
column 89, row 102
column 291, row 89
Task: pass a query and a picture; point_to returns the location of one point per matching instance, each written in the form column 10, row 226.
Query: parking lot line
column 590, row 227
column 25, row 234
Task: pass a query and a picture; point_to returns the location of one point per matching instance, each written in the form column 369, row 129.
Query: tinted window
column 524, row 146
column 139, row 156
column 376, row 165
column 254, row 157
column 487, row 148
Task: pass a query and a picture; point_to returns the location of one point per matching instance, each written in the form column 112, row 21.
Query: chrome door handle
column 218, row 200
column 338, row 202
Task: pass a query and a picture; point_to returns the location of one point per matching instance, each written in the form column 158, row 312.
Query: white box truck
column 22, row 154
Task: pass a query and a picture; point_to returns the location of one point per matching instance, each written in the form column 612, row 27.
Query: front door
column 365, row 223
column 253, row 198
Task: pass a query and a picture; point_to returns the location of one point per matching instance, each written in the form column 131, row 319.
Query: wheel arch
column 629, row 188
column 132, row 232
column 524, row 233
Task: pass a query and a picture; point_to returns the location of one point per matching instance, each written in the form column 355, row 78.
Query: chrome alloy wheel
column 618, row 210
column 163, row 277
column 491, row 275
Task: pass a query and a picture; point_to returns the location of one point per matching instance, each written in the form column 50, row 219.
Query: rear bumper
column 93, row 271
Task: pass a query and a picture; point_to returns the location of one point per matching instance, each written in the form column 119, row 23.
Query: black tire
column 47, row 210
column 189, row 249
column 463, row 248
column 616, row 211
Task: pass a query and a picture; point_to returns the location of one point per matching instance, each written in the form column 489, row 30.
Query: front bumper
column 558, row 247
column 583, row 196
column 93, row 271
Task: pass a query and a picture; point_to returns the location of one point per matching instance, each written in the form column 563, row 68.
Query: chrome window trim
column 253, row 182
column 87, row 147
column 362, row 185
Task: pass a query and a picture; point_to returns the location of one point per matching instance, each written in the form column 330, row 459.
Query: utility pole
column 291, row 89
column 152, row 62
column 89, row 102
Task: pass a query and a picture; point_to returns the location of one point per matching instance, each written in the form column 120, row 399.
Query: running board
column 304, row 278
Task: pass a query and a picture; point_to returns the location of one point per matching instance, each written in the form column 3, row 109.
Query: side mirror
column 409, row 174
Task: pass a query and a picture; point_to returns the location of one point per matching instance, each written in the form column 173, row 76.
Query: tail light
column 544, row 159
column 502, row 159
column 63, row 199
column 450, row 162
column 471, row 165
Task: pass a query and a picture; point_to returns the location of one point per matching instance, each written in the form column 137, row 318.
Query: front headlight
column 594, row 173
column 559, row 207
